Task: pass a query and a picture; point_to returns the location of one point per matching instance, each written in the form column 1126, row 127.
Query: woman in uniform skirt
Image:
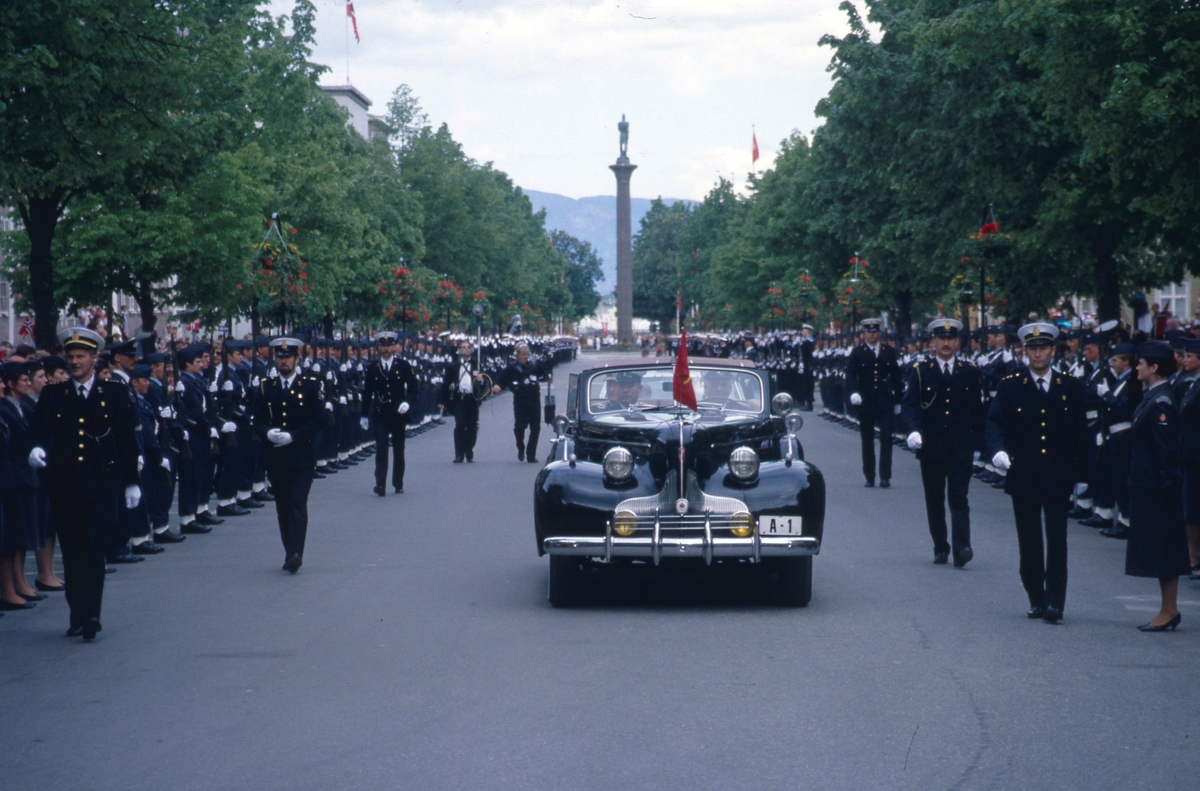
column 1157, row 542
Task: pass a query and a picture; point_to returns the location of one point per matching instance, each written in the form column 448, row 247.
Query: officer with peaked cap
column 1037, row 431
column 873, row 381
column 1189, row 457
column 84, row 436
column 943, row 411
column 1120, row 402
column 289, row 412
column 390, row 389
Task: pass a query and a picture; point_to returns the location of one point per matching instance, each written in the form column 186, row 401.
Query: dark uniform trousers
column 391, row 430
column 466, row 423
column 867, row 422
column 189, row 472
column 291, row 488
column 84, row 527
column 1045, row 582
column 526, row 415
column 947, row 480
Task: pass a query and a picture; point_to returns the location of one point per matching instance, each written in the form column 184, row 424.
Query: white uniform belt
column 1118, row 427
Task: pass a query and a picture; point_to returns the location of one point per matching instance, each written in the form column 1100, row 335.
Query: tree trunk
column 40, row 217
column 903, row 314
column 1105, row 278
column 145, row 300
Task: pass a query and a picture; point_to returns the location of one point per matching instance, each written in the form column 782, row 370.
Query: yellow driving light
column 624, row 523
column 741, row 525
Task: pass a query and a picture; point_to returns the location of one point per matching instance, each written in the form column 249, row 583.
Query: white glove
column 228, row 386
column 255, row 382
column 1101, row 387
column 166, row 413
column 366, row 424
column 228, row 427
column 213, row 433
column 179, row 388
column 133, row 496
column 37, row 458
column 212, row 386
column 165, row 464
column 1099, row 440
column 345, row 367
column 977, row 455
column 279, row 438
column 329, row 376
column 1000, row 461
column 342, row 400
column 896, row 409
column 329, row 405
column 856, row 399
column 141, row 463
column 914, row 441
column 185, row 436
column 403, row 408
column 1080, row 489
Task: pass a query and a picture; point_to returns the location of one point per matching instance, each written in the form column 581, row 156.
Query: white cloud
column 539, row 87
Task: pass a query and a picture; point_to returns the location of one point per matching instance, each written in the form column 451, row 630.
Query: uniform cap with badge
column 287, row 347
column 81, row 338
column 1038, row 333
column 944, row 328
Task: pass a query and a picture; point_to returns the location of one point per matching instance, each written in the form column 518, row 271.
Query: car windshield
column 718, row 389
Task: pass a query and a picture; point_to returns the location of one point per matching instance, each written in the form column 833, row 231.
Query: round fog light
column 624, row 523
column 741, row 525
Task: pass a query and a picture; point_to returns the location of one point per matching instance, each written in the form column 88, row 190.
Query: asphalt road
column 416, row 650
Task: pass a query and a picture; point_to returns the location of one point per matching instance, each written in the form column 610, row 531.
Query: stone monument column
column 623, row 170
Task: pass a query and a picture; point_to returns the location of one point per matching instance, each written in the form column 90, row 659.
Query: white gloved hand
column 1000, row 461
column 185, row 436
column 342, row 401
column 255, row 382
column 37, row 458
column 279, row 437
column 228, row 427
column 133, row 496
column 165, row 464
column 141, row 463
column 329, row 376
column 1080, row 489
column 329, row 405
column 856, row 399
column 1099, row 440
column 212, row 386
column 366, row 424
column 914, row 441
column 166, row 413
column 977, row 455
column 179, row 388
column 403, row 408
column 345, row 367
column 1101, row 387
column 896, row 409
column 212, row 432
column 228, row 386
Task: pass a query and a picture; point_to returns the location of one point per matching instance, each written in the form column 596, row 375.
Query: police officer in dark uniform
column 389, row 389
column 1120, row 403
column 873, row 381
column 522, row 378
column 289, row 412
column 84, row 435
column 1189, row 458
column 1037, row 431
column 458, row 391
column 943, row 413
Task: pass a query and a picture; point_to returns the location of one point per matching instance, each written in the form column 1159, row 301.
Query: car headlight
column 618, row 464
column 781, row 403
column 741, row 525
column 624, row 523
column 743, row 463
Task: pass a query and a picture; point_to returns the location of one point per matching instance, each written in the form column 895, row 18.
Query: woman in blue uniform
column 1157, row 542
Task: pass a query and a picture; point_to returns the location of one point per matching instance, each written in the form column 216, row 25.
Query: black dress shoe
column 1195, row 575
column 1168, row 626
column 25, row 605
column 341, row 465
column 1052, row 614
column 109, row 570
column 249, row 503
column 399, row 490
column 169, row 536
column 48, row 588
column 885, row 484
column 1079, row 513
column 1096, row 521
column 263, row 497
column 293, row 564
column 205, row 518
column 470, row 458
column 195, row 528
column 963, row 557
column 90, row 627
column 520, row 455
column 232, row 510
column 1036, row 612
column 533, row 459
column 33, row 596
column 458, row 459
column 869, row 484
column 941, row 558
column 128, row 557
column 74, row 631
column 318, row 474
column 147, row 548
column 1116, row 531
column 381, row 491
column 330, row 469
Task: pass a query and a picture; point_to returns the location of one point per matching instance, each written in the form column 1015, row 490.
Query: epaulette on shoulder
column 1010, row 376
column 1162, row 399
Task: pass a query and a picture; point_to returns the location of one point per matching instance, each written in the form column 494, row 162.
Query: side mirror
column 560, row 425
column 793, row 420
column 782, row 403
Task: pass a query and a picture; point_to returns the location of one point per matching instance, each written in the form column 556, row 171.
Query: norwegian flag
column 353, row 21
column 753, row 147
column 26, row 330
column 194, row 326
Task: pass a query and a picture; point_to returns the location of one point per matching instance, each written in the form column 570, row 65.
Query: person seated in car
column 622, row 391
column 718, row 387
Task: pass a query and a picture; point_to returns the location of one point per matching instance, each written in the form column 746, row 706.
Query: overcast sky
column 538, row 87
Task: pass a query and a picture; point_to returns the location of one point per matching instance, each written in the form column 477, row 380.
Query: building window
column 1173, row 298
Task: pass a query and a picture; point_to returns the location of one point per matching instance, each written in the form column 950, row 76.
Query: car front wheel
column 564, row 581
column 795, row 581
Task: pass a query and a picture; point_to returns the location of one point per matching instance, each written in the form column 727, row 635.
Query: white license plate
column 779, row 526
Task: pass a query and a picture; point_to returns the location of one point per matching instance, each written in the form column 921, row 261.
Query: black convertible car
column 634, row 478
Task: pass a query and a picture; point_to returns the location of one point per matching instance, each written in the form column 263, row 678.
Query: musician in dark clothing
column 873, row 381
column 387, row 396
column 522, row 378
column 943, row 413
column 458, row 391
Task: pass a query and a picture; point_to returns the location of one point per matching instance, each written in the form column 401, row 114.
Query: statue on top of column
column 623, row 127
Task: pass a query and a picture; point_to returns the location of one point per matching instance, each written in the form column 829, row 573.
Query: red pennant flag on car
column 682, row 388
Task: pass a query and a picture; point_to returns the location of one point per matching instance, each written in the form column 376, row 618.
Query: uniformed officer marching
column 84, row 436
column 943, row 411
column 522, row 378
column 1037, row 431
column 458, row 391
column 289, row 412
column 390, row 388
column 873, row 381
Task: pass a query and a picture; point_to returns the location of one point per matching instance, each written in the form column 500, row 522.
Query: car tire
column 564, row 581
column 795, row 581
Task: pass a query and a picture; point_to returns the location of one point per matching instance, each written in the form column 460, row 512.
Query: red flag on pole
column 682, row 388
column 754, row 148
column 353, row 21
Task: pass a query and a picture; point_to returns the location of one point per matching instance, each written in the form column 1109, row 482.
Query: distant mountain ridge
column 594, row 220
